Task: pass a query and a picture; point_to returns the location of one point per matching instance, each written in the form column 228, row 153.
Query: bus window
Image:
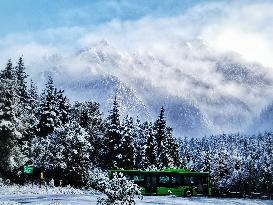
column 179, row 180
column 164, row 179
column 189, row 180
column 139, row 178
column 175, row 180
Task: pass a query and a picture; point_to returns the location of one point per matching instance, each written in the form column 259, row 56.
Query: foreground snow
column 90, row 198
column 33, row 194
column 36, row 189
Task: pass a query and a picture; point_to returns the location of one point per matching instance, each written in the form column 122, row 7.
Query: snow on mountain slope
column 204, row 92
column 263, row 122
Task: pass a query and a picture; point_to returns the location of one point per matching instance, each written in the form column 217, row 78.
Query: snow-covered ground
column 90, row 198
column 33, row 194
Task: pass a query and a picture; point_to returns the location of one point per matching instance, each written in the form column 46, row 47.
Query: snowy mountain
column 204, row 92
column 264, row 121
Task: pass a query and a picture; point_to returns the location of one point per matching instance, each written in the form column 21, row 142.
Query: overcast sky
column 41, row 27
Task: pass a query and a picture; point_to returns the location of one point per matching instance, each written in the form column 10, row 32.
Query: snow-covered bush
column 118, row 190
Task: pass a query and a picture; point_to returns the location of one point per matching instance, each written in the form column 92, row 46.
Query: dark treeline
column 65, row 140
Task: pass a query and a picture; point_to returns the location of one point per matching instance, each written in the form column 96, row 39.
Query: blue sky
column 31, row 15
column 39, row 28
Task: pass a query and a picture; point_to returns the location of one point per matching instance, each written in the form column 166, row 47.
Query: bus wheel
column 188, row 193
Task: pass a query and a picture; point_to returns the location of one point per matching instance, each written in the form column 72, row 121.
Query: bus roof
column 169, row 170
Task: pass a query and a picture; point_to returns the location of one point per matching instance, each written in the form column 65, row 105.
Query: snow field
column 90, row 199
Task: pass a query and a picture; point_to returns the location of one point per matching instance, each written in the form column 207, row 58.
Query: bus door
column 202, row 186
column 151, row 185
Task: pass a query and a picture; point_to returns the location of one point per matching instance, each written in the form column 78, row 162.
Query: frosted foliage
column 118, row 190
column 17, row 158
column 236, row 162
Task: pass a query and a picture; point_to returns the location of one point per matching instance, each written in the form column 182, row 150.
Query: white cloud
column 244, row 27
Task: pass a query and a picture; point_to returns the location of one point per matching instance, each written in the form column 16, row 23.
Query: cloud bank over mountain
column 204, row 92
column 210, row 65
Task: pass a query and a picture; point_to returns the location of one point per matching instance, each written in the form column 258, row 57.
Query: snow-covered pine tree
column 32, row 117
column 90, row 118
column 33, row 111
column 23, row 109
column 206, row 156
column 172, row 149
column 53, row 113
column 127, row 144
column 76, row 153
column 252, row 167
column 42, row 152
column 21, row 86
column 58, row 154
column 167, row 149
column 140, row 141
column 151, row 147
column 221, row 169
column 48, row 110
column 63, row 107
column 7, row 117
column 54, row 109
column 160, row 130
column 164, row 158
column 266, row 176
column 11, row 131
column 65, row 154
column 112, row 138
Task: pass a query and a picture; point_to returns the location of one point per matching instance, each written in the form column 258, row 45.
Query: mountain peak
column 224, row 91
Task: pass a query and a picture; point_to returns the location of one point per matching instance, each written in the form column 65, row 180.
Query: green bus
column 179, row 182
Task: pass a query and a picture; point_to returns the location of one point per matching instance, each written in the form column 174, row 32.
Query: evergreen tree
column 48, row 110
column 167, row 149
column 140, row 141
column 172, row 148
column 112, row 137
column 33, row 112
column 31, row 119
column 9, row 136
column 127, row 144
column 7, row 127
column 63, row 107
column 23, row 109
column 151, row 147
column 21, row 85
column 90, row 118
column 54, row 109
column 160, row 131
column 41, row 152
column 77, row 153
column 266, row 177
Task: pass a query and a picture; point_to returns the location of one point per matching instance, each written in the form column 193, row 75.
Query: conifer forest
column 66, row 139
